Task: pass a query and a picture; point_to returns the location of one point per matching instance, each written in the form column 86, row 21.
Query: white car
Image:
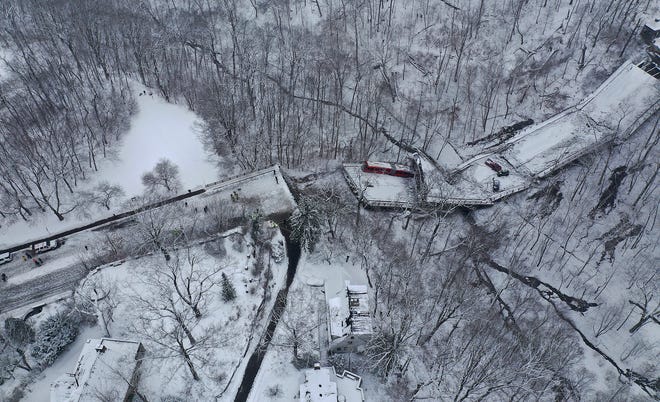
column 6, row 257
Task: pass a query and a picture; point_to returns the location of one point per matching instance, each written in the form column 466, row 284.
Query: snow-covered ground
column 317, row 277
column 235, row 326
column 158, row 130
column 263, row 189
column 39, row 390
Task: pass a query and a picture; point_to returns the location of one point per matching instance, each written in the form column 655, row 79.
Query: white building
column 349, row 320
column 323, row 384
column 106, row 370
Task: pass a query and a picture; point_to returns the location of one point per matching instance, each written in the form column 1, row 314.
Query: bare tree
column 97, row 298
column 165, row 175
column 162, row 319
column 190, row 277
column 106, row 193
column 157, row 229
column 297, row 326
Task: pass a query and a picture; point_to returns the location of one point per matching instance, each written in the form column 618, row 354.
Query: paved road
column 34, row 291
column 65, row 277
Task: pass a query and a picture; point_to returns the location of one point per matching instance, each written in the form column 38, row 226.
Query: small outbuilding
column 650, row 31
column 349, row 320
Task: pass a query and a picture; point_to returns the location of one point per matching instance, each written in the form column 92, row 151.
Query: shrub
column 274, row 391
column 53, row 336
column 228, row 290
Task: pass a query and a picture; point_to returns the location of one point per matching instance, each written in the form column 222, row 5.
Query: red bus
column 392, row 169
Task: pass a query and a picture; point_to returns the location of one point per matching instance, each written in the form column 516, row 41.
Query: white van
column 45, row 246
column 6, row 257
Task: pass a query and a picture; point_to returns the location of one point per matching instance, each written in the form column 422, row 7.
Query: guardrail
column 505, row 193
column 220, row 184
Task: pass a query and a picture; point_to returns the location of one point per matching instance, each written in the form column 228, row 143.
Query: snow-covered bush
column 228, row 290
column 306, row 223
column 277, row 251
column 53, row 335
column 274, row 391
column 238, row 244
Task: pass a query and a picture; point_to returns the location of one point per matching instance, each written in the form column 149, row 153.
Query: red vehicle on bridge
column 496, row 167
column 392, row 169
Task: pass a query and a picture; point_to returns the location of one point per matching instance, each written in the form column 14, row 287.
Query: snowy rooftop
column 323, row 385
column 653, row 23
column 318, row 385
column 104, row 367
column 348, row 386
column 380, row 189
column 349, row 313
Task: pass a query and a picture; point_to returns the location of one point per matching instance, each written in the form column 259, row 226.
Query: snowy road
column 29, row 286
column 33, row 291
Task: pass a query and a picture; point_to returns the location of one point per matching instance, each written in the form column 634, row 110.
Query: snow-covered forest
column 202, row 143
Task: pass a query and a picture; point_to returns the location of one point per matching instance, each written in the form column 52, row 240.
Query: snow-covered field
column 158, row 130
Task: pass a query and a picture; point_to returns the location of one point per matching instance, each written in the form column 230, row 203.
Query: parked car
column 6, row 257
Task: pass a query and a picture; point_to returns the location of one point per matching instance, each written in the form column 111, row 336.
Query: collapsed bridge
column 613, row 112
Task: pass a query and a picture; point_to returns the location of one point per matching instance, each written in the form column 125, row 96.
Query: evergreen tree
column 19, row 334
column 306, row 224
column 54, row 334
column 228, row 290
column 256, row 218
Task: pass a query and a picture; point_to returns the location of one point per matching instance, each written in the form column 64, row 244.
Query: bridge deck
column 613, row 111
